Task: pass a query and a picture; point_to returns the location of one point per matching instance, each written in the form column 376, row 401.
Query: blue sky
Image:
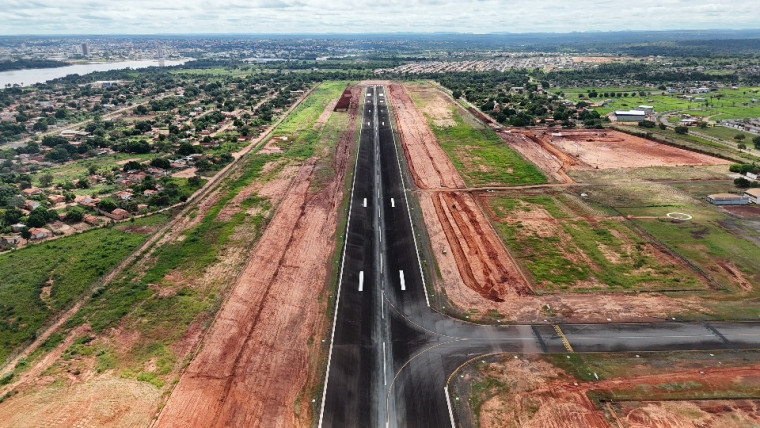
column 369, row 16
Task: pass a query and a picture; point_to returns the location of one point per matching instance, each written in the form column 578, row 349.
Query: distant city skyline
column 41, row 17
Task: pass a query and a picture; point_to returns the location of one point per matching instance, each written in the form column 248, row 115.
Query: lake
column 40, row 75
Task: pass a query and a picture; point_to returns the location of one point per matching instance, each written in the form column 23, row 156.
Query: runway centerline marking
column 361, row 280
column 385, row 365
column 403, row 282
column 365, row 202
column 393, row 203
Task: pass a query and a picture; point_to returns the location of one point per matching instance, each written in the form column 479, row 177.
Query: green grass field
column 723, row 104
column 74, row 170
column 712, row 240
column 482, row 158
column 579, row 254
column 71, row 264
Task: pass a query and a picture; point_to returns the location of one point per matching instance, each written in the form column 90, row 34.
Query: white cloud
column 368, row 16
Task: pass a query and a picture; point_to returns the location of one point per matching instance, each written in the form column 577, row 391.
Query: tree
column 132, row 166
column 12, row 216
column 37, row 218
column 83, row 183
column 107, row 205
column 46, row 179
column 143, row 126
column 740, row 137
column 663, row 126
column 7, row 191
column 75, row 214
column 646, row 124
column 194, row 181
column 39, row 126
column 742, row 183
column 742, row 146
column 162, row 163
column 186, row 149
column 756, row 142
column 681, row 130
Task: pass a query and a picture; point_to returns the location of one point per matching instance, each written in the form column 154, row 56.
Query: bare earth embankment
column 255, row 359
column 482, row 262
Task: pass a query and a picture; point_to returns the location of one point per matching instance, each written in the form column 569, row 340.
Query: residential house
column 10, row 241
column 91, row 219
column 38, row 233
column 32, row 191
column 118, row 214
column 123, row 195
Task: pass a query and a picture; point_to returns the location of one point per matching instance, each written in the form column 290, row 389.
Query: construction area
column 564, row 250
column 557, row 151
column 650, row 390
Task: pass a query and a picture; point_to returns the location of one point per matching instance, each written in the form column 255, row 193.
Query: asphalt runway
column 391, row 355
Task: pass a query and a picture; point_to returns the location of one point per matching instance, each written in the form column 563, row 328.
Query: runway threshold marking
column 564, row 338
column 361, row 280
column 403, row 282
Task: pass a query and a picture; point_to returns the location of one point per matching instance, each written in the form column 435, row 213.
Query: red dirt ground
column 541, row 395
column 484, row 263
column 255, row 359
column 552, row 162
column 430, row 166
column 604, row 149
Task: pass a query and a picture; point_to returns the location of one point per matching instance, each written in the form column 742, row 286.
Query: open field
column 566, row 245
column 612, row 390
column 478, row 154
column 603, row 149
column 612, row 254
column 60, row 271
column 723, row 104
column 690, row 142
column 707, row 240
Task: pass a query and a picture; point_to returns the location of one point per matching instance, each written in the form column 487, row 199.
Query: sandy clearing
column 186, row 173
column 104, row 401
column 548, row 162
column 606, row 149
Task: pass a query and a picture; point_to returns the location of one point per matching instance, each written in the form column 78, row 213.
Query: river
column 40, row 75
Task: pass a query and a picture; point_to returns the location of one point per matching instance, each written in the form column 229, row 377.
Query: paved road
column 391, row 355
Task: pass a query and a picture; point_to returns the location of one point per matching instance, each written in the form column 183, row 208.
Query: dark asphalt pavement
column 391, row 355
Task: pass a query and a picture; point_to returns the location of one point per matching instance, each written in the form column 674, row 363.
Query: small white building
column 728, row 199
column 753, row 195
column 630, row 116
column 646, row 109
